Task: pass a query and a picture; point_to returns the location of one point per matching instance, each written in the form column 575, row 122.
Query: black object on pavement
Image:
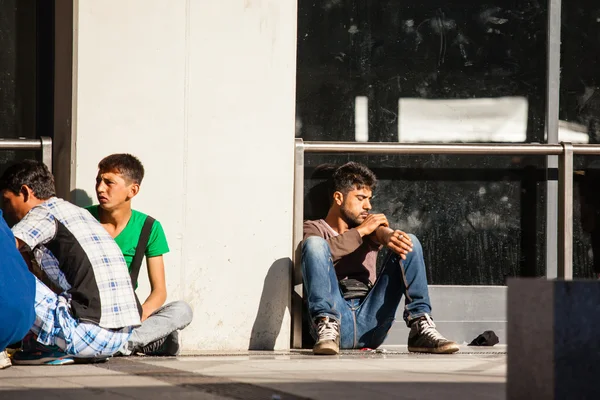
column 487, row 338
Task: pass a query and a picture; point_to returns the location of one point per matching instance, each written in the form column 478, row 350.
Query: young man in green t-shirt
column 117, row 183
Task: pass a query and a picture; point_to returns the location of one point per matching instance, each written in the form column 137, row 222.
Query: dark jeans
column 364, row 322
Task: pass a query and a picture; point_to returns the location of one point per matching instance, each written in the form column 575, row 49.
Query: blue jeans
column 364, row 322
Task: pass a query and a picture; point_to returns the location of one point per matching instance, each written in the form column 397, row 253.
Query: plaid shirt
column 54, row 325
column 78, row 255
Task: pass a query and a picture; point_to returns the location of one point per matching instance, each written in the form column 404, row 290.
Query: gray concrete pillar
column 553, row 339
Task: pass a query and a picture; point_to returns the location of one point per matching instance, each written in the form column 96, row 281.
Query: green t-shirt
column 129, row 237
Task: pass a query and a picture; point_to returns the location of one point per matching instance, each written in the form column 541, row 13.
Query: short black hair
column 350, row 176
column 125, row 164
column 32, row 173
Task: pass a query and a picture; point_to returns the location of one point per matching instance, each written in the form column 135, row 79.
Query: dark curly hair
column 352, row 176
column 31, row 173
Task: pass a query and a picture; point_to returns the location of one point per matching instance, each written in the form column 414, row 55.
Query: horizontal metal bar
column 434, row 148
column 20, row 144
column 586, row 149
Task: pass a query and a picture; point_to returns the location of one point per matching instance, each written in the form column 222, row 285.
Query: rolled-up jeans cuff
column 411, row 317
column 322, row 315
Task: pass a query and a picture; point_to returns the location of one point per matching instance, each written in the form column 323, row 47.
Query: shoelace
column 427, row 328
column 328, row 329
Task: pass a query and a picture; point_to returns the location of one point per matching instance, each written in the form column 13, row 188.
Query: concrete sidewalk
column 472, row 374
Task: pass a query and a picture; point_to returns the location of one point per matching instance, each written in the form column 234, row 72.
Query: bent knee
column 184, row 312
column 315, row 244
column 415, row 241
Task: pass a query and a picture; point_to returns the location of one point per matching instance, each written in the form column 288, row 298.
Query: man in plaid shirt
column 93, row 310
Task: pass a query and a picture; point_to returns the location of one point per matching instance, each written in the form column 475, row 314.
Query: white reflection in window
column 361, row 119
column 502, row 119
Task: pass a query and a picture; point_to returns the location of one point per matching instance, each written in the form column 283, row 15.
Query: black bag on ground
column 487, row 338
column 354, row 289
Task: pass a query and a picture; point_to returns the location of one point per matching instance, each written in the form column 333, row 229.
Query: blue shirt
column 17, row 290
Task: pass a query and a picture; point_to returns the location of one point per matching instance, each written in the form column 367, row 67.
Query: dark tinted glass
column 436, row 71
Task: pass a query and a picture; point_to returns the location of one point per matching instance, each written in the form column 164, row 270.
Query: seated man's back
column 87, row 306
column 76, row 253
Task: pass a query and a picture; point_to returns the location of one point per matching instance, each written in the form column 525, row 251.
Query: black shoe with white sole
column 424, row 338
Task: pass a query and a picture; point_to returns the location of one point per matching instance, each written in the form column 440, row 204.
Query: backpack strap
column 140, row 250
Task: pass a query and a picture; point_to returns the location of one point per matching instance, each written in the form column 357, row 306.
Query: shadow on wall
column 317, row 199
column 274, row 301
column 80, row 198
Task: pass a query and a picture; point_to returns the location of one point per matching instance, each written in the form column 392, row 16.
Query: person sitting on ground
column 349, row 304
column 17, row 294
column 117, row 183
column 95, row 311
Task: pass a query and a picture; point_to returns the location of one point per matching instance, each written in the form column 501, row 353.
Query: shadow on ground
column 285, row 391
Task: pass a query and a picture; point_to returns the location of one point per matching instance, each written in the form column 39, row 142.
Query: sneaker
column 29, row 342
column 328, row 331
column 167, row 346
column 42, row 355
column 424, row 338
column 4, row 360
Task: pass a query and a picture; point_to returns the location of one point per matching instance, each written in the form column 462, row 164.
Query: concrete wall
column 204, row 93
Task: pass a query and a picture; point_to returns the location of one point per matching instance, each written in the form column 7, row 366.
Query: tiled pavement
column 395, row 374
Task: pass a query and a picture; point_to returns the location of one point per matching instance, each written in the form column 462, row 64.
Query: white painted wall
column 204, row 93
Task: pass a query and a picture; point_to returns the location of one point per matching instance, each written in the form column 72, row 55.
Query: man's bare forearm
column 381, row 234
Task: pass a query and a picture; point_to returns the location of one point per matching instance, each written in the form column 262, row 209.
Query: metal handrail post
column 46, row 143
column 565, row 213
column 551, row 125
column 298, row 220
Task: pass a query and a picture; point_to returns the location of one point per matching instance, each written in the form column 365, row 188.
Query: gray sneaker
column 4, row 360
column 328, row 343
column 424, row 338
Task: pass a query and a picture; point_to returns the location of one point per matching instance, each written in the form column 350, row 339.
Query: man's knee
column 183, row 311
column 416, row 243
column 316, row 246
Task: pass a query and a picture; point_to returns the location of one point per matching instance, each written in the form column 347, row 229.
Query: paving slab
column 286, row 375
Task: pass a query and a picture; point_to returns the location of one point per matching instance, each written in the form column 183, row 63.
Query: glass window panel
column 437, row 71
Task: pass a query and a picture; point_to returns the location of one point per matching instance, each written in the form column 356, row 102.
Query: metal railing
column 565, row 151
column 44, row 144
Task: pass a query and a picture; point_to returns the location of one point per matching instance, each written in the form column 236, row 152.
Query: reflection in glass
column 470, row 64
column 436, row 71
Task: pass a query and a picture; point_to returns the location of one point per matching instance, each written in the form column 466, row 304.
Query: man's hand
column 397, row 241
column 147, row 311
column 371, row 223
